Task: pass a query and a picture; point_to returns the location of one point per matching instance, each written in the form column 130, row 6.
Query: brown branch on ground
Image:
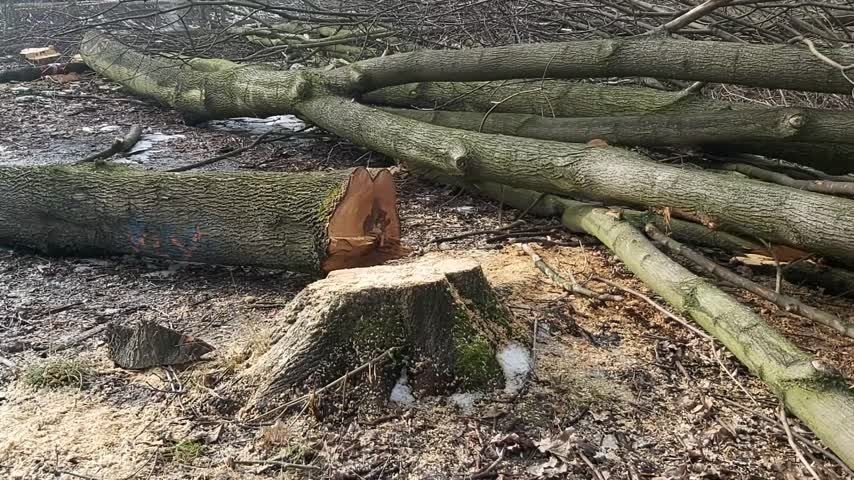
column 571, row 285
column 655, row 305
column 822, row 186
column 120, row 145
column 798, row 453
column 785, row 302
column 263, row 138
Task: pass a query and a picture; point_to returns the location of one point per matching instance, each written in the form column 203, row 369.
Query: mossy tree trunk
column 307, row 222
column 555, row 99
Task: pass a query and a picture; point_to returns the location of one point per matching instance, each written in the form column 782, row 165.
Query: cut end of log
column 364, row 229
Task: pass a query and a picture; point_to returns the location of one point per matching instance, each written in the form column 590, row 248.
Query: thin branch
column 655, row 305
column 570, row 286
column 785, row 302
column 798, row 453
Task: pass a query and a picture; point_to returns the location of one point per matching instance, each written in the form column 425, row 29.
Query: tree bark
column 438, row 311
column 790, row 304
column 769, row 66
column 805, row 220
column 559, row 98
column 307, row 222
column 765, row 125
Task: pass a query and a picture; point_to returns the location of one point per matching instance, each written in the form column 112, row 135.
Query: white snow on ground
column 258, row 126
column 465, row 401
column 401, row 393
column 515, row 362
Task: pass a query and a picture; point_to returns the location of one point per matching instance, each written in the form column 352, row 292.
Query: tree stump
column 439, row 313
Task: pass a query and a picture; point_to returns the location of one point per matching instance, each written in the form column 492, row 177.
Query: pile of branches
column 517, row 119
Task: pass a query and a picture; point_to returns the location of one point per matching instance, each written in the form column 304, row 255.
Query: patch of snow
column 465, row 401
column 401, row 393
column 515, row 362
column 109, row 128
column 145, row 146
column 258, row 126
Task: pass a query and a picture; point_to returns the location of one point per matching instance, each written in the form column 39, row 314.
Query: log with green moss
column 809, row 221
column 810, row 389
column 307, row 222
column 565, row 101
column 439, row 314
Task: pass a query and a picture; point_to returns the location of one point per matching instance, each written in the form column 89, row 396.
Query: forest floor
column 617, row 391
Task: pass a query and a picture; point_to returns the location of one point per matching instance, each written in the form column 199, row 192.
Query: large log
column 561, row 98
column 805, row 220
column 307, row 222
column 439, row 313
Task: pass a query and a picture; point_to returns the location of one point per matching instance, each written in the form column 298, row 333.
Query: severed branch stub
column 570, row 285
column 147, row 344
column 787, row 303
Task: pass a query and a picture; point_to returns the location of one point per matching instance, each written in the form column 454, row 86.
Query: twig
column 7, row 362
column 655, row 305
column 72, row 474
column 570, row 286
column 798, row 453
column 692, row 15
column 785, row 302
column 223, row 156
column 277, row 463
column 83, row 96
column 474, row 233
column 775, row 424
column 717, row 355
column 487, row 472
column 120, row 145
column 596, row 473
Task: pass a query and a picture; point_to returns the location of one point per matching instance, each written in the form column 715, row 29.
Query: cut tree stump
column 439, row 313
column 307, row 222
column 147, row 344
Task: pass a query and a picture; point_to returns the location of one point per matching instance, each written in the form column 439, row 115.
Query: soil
column 617, row 390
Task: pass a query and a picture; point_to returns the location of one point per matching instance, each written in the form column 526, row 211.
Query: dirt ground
column 617, row 391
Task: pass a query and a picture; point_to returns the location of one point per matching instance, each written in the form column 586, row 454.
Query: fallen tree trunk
column 742, row 206
column 307, row 222
column 805, row 220
column 765, row 125
column 790, row 304
column 769, row 66
column 559, row 98
column 439, row 312
column 814, row 392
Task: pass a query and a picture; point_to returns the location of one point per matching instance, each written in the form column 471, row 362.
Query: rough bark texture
column 560, row 98
column 439, row 311
column 810, row 221
column 765, row 125
column 770, row 66
column 147, row 344
column 271, row 220
column 812, row 391
column 806, row 220
column 790, row 304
